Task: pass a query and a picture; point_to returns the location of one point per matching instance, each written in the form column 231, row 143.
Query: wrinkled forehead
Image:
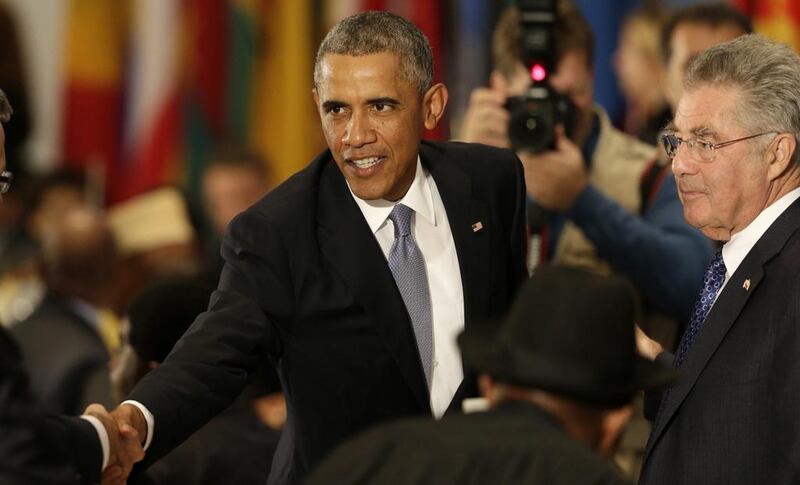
column 707, row 111
column 344, row 65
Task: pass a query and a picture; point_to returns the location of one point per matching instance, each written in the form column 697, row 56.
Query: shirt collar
column 735, row 250
column 418, row 198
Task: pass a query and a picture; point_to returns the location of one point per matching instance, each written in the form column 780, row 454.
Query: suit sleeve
column 37, row 447
column 784, row 381
column 210, row 364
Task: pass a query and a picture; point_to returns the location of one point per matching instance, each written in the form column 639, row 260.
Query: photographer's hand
column 556, row 178
column 486, row 119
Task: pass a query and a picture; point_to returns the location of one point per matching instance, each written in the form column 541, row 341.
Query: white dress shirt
column 431, row 230
column 736, row 249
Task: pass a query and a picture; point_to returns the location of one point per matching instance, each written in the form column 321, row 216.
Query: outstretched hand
column 126, row 431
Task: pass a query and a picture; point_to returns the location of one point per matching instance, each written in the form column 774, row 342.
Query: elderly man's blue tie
column 408, row 268
column 712, row 282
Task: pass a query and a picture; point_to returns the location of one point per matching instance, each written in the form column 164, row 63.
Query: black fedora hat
column 569, row 332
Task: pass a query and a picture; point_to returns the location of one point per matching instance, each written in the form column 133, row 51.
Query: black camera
column 535, row 114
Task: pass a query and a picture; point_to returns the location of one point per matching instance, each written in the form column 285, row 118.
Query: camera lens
column 531, row 126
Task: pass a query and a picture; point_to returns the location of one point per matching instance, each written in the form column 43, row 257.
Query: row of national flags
column 152, row 87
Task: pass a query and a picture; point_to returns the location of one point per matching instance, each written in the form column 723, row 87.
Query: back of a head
column 713, row 16
column 379, row 32
column 162, row 313
column 572, row 33
column 570, row 333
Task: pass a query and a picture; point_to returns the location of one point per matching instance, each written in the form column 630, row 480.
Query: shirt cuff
column 148, row 418
column 102, row 434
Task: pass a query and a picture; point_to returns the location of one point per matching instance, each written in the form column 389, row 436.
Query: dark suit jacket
column 37, row 447
column 234, row 447
column 65, row 357
column 516, row 443
column 305, row 282
column 735, row 415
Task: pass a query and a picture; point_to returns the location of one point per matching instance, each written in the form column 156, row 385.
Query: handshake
column 126, row 429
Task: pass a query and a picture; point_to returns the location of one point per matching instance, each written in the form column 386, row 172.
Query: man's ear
column 433, row 104
column 316, row 97
column 781, row 152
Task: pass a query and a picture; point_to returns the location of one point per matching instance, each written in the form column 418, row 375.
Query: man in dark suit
column 355, row 276
column 557, row 375
column 62, row 341
column 37, row 447
column 733, row 417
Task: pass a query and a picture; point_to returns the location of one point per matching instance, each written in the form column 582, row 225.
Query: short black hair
column 161, row 314
column 713, row 15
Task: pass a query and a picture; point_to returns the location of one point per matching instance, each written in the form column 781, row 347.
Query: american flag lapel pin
column 746, row 284
column 477, row 226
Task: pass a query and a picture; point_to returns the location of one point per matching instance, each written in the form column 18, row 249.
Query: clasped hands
column 126, row 429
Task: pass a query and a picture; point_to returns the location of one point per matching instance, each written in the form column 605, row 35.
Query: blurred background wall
column 140, row 92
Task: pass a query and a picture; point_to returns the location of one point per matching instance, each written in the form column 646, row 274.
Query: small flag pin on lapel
column 477, row 226
column 746, row 284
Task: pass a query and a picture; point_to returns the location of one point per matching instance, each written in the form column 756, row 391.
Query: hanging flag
column 95, row 37
column 203, row 109
column 152, row 122
column 777, row 19
column 286, row 125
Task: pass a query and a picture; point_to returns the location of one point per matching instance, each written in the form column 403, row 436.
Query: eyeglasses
column 6, row 178
column 698, row 149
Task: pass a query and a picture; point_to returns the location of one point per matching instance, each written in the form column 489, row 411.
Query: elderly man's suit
column 734, row 417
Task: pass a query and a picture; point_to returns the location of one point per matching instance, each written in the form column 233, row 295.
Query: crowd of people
column 411, row 311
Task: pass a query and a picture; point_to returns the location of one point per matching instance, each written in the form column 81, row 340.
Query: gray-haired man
column 733, row 417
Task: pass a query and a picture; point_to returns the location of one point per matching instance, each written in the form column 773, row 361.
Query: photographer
column 600, row 215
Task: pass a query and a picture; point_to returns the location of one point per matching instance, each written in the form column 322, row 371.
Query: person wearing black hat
column 553, row 376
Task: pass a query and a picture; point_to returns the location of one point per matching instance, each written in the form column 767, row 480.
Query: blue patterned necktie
column 408, row 268
column 712, row 282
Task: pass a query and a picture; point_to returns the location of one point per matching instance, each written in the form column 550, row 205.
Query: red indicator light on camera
column 538, row 72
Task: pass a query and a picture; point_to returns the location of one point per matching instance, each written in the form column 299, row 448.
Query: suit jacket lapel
column 469, row 224
column 726, row 310
column 349, row 245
